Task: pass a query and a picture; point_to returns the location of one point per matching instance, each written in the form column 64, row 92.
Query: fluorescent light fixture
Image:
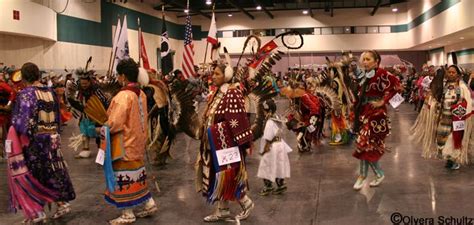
column 229, row 15
column 259, row 7
column 305, row 12
column 208, row 2
column 186, row 10
column 395, row 10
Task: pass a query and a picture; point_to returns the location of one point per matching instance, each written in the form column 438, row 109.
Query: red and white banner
column 146, row 63
column 212, row 36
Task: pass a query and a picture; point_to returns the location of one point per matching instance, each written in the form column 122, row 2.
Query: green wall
column 81, row 31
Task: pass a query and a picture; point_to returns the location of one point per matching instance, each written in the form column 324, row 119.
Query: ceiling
column 199, row 7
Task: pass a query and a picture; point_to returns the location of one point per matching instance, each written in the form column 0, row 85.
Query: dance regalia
column 275, row 163
column 36, row 118
column 159, row 127
column 339, row 132
column 66, row 115
column 456, row 106
column 374, row 123
column 83, row 100
column 7, row 95
column 225, row 127
column 310, row 113
column 127, row 116
column 423, row 130
column 17, row 81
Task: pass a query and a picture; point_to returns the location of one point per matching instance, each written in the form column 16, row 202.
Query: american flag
column 188, row 53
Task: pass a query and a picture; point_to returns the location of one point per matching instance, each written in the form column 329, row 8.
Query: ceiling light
column 395, row 10
column 186, row 10
column 229, row 15
column 208, row 2
column 259, row 7
column 462, row 38
column 305, row 12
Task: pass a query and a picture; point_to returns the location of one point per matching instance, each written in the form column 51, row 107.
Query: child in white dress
column 274, row 164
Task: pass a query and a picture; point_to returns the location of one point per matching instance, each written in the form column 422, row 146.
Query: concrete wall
column 437, row 58
column 88, row 10
column 50, row 55
column 456, row 18
column 70, row 54
column 35, row 20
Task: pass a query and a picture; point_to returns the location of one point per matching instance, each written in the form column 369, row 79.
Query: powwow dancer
column 88, row 97
column 274, row 164
column 126, row 134
column 371, row 121
column 225, row 127
column 36, row 120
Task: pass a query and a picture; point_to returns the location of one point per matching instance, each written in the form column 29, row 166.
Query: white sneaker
column 83, row 155
column 376, row 182
column 359, row 183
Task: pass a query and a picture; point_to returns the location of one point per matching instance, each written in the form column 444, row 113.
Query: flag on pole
column 188, row 53
column 122, row 51
column 212, row 36
column 118, row 28
column 166, row 60
column 144, row 56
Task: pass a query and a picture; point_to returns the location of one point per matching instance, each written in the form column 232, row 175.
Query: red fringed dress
column 374, row 122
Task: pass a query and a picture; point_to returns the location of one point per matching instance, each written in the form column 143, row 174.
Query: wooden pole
column 205, row 54
column 207, row 43
column 139, row 43
column 112, row 51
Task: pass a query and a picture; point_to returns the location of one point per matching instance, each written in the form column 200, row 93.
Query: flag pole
column 205, row 53
column 207, row 42
column 112, row 51
column 139, row 43
column 161, row 63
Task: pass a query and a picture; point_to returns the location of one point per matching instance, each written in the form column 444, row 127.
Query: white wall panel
column 35, row 19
